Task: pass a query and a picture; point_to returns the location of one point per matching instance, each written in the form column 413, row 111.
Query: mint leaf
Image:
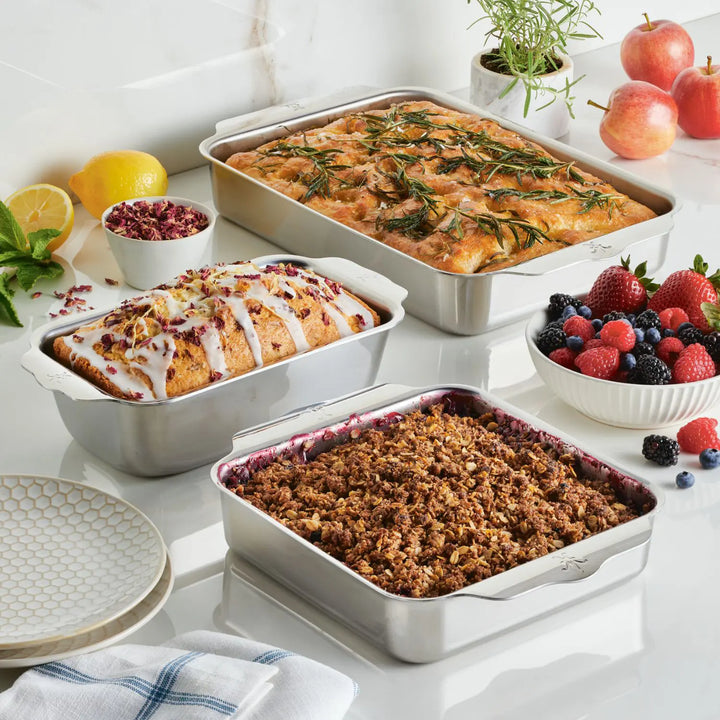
column 6, row 246
column 6, row 294
column 10, row 231
column 39, row 240
column 28, row 273
column 12, row 257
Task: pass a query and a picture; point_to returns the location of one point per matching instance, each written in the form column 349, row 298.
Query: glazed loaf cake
column 435, row 501
column 209, row 325
column 454, row 190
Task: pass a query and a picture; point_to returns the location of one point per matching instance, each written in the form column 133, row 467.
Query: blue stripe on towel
column 272, row 656
column 156, row 694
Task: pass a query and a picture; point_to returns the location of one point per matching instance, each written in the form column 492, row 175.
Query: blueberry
column 575, row 342
column 585, row 311
column 627, row 361
column 639, row 335
column 668, row 332
column 631, row 318
column 568, row 312
column 710, row 458
column 652, row 335
column 685, row 326
column 685, row 479
column 597, row 324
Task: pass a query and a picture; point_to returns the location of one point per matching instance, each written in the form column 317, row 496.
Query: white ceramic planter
column 486, row 87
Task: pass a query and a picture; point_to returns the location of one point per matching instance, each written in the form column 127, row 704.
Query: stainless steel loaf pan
column 424, row 630
column 170, row 436
column 464, row 304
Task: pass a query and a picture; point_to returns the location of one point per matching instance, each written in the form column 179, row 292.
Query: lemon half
column 115, row 176
column 41, row 206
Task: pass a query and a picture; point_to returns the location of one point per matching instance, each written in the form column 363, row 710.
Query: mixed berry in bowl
column 629, row 329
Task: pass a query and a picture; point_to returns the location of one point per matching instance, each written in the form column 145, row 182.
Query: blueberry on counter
column 685, row 479
column 710, row 458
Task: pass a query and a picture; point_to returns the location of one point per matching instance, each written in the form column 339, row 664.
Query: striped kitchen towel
column 201, row 675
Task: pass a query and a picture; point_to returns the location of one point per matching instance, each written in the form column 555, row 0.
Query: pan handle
column 566, row 568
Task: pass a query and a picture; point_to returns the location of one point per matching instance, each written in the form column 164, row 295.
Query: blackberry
column 690, row 334
column 559, row 301
column 647, row 319
column 643, row 348
column 650, row 370
column 614, row 315
column 550, row 338
column 661, row 449
column 712, row 345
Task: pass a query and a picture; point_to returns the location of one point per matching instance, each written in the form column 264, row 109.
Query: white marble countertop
column 647, row 648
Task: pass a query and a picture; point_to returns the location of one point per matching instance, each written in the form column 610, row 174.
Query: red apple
column 639, row 121
column 656, row 52
column 697, row 93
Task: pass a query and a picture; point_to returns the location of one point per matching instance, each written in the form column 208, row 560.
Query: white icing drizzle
column 190, row 306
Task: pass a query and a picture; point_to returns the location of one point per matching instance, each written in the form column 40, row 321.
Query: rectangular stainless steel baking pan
column 170, row 436
column 464, row 304
column 424, row 630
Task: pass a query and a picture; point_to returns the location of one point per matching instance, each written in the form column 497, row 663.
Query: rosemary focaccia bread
column 457, row 191
column 209, row 325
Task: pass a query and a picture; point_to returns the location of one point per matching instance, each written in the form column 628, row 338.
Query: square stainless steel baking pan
column 465, row 304
column 164, row 437
column 424, row 630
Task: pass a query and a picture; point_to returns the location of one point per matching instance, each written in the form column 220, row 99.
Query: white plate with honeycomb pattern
column 102, row 636
column 72, row 558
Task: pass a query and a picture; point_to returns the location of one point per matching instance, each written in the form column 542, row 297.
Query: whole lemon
column 115, row 176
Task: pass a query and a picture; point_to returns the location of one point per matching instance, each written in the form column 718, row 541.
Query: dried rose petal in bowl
column 158, row 220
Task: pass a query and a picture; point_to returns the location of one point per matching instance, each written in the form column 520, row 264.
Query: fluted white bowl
column 621, row 404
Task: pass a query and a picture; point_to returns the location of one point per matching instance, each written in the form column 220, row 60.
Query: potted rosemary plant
column 525, row 74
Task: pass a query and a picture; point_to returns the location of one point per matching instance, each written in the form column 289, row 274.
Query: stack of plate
column 79, row 569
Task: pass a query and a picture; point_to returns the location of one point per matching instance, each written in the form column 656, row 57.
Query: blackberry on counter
column 559, row 301
column 643, row 348
column 661, row 449
column 550, row 338
column 614, row 315
column 650, row 370
column 690, row 334
column 647, row 319
column 712, row 345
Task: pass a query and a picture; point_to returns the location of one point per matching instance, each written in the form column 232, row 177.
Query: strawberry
column 669, row 349
column 694, row 363
column 688, row 289
column 619, row 334
column 619, row 288
column 698, row 435
column 599, row 362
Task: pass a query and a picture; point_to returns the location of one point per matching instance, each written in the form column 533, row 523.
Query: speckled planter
column 486, row 87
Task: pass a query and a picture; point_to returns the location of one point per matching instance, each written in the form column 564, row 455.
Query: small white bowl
column 621, row 404
column 149, row 263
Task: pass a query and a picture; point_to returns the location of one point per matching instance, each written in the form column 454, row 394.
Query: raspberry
column 599, row 362
column 580, row 326
column 565, row 357
column 594, row 343
column 669, row 349
column 694, row 363
column 698, row 435
column 672, row 317
column 660, row 449
column 619, row 334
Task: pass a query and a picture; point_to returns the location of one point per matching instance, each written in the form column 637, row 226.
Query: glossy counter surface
column 647, row 648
